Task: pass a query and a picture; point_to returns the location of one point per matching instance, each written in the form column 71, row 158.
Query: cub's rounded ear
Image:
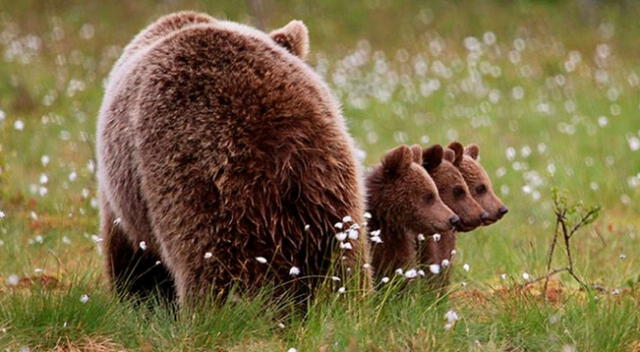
column 416, row 149
column 397, row 160
column 473, row 151
column 432, row 157
column 458, row 150
column 449, row 155
column 294, row 37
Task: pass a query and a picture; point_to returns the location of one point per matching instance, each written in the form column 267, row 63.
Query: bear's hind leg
column 132, row 272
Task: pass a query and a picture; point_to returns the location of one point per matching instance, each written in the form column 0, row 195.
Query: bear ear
column 449, row 155
column 432, row 157
column 294, row 37
column 473, row 151
column 397, row 160
column 458, row 150
column 416, row 149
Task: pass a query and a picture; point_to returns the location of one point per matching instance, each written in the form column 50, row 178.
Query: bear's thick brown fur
column 478, row 181
column 217, row 146
column 403, row 202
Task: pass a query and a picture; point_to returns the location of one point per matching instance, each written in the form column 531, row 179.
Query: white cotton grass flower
column 421, row 237
column 346, row 246
column 434, row 269
column 84, row 298
column 399, row 271
column 73, row 176
column 117, row 221
column 353, row 234
column 421, row 272
column 208, row 255
column 526, row 276
column 18, row 125
column 294, row 271
column 385, row 279
column 347, row 219
column 436, row 237
column 503, row 276
column 569, row 348
column 445, row 263
column 13, row 280
column 292, row 350
column 466, row 267
column 96, row 238
column 338, row 225
column 376, row 239
column 622, row 255
column 411, row 274
column 375, row 233
column 366, row 265
column 336, row 279
column 143, row 245
column 44, row 179
column 262, row 260
column 2, row 214
column 307, row 227
column 342, row 290
column 367, row 215
column 341, row 236
column 451, row 317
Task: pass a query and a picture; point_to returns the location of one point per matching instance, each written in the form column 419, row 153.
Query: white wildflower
column 353, row 234
column 263, row 260
column 96, row 239
column 436, row 237
column 336, row 279
column 503, row 276
column 346, row 246
column 366, row 265
column 18, row 125
column 143, row 245
column 13, row 280
column 399, row 271
column 347, row 219
column 84, row 298
column 2, row 214
column 294, row 271
column 367, row 215
column 411, row 273
column 445, row 263
column 526, row 276
column 376, row 239
column 307, row 227
column 421, row 272
column 341, row 236
column 434, row 269
column 465, row 267
column 292, row 350
column 421, row 237
column 73, row 176
column 384, row 280
column 622, row 256
column 342, row 290
column 338, row 225
column 208, row 255
column 375, row 233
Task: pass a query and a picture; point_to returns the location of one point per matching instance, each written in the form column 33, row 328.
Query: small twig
column 546, row 277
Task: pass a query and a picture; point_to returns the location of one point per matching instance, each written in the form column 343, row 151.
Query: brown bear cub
column 223, row 159
column 478, row 181
column 451, row 186
column 404, row 203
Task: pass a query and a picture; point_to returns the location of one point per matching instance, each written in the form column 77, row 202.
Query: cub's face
column 453, row 189
column 479, row 183
column 406, row 194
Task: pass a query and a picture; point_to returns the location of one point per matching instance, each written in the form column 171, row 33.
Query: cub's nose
column 485, row 216
column 454, row 220
column 502, row 210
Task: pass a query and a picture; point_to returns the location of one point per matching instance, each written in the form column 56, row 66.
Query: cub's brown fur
column 217, row 146
column 479, row 183
column 403, row 202
column 452, row 187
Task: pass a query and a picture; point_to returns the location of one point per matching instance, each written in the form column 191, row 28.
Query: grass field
column 549, row 90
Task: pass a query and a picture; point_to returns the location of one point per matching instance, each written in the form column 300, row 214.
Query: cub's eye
column 481, row 189
column 458, row 192
column 429, row 198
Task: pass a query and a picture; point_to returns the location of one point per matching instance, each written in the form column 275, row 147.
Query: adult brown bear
column 223, row 159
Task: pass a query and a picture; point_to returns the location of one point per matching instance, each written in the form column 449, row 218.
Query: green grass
column 373, row 55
